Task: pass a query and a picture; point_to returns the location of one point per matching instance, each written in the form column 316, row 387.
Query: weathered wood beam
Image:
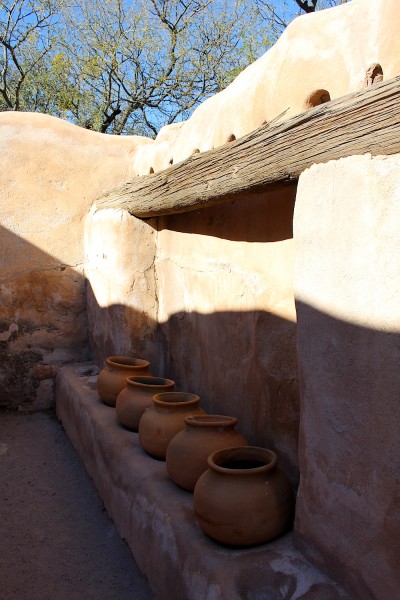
column 367, row 121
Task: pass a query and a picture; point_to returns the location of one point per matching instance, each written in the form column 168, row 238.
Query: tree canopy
column 131, row 66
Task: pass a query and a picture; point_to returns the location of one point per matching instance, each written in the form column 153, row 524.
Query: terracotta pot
column 112, row 379
column 138, row 394
column 187, row 453
column 162, row 421
column 243, row 499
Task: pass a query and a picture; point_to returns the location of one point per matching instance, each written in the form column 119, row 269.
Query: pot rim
column 210, row 421
column 243, row 453
column 175, row 399
column 150, row 381
column 127, row 362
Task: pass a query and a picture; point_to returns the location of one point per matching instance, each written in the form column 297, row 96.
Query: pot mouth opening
column 241, row 464
column 210, row 421
column 127, row 361
column 150, row 381
column 175, row 399
column 242, row 460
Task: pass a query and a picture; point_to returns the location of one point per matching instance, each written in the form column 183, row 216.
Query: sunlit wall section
column 346, row 231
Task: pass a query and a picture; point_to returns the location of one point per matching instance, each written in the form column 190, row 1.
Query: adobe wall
column 207, row 297
column 122, row 299
column 347, row 256
column 224, row 326
column 51, row 171
column 227, row 315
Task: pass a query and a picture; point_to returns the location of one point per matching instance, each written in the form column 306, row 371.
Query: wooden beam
column 367, row 121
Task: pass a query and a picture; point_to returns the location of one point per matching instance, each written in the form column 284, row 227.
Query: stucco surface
column 122, row 286
column 43, row 324
column 208, row 298
column 347, row 293
column 51, row 171
column 227, row 315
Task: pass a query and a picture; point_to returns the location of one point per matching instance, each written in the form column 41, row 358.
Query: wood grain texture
column 367, row 121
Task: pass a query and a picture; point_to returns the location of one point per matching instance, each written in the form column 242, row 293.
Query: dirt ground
column 56, row 540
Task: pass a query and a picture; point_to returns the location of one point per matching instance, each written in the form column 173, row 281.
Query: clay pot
column 187, row 453
column 138, row 394
column 162, row 421
column 243, row 499
column 112, row 379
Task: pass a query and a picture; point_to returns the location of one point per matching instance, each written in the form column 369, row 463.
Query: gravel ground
column 56, row 540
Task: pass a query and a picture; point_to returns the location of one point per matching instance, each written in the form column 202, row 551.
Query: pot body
column 243, row 499
column 112, row 379
column 187, row 454
column 138, row 394
column 162, row 421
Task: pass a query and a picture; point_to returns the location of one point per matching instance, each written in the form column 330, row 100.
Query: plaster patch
column 5, row 335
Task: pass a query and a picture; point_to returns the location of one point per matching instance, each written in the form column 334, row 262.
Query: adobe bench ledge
column 156, row 518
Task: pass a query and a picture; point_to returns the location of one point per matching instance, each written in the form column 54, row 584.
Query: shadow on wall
column 348, row 377
column 242, row 364
column 233, row 360
column 254, row 217
column 43, row 322
column 349, row 451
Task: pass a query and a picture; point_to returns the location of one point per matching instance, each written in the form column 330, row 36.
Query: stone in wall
column 346, row 231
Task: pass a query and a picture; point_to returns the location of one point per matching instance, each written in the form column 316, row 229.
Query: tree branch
column 308, row 8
